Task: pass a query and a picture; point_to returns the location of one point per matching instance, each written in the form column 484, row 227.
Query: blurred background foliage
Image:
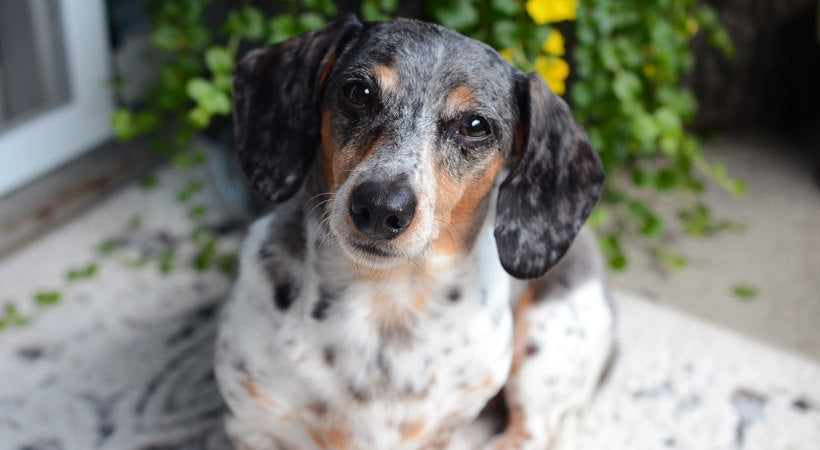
column 620, row 65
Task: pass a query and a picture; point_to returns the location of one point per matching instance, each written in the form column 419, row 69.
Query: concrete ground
column 121, row 359
column 777, row 252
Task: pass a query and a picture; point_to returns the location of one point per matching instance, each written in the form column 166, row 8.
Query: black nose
column 382, row 210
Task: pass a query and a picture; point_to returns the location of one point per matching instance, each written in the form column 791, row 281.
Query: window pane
column 33, row 74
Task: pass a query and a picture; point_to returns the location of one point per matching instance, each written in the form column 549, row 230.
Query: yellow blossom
column 508, row 54
column 649, row 71
column 554, row 71
column 554, row 44
column 692, row 26
column 550, row 11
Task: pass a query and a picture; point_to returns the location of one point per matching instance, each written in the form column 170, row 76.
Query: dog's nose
column 382, row 210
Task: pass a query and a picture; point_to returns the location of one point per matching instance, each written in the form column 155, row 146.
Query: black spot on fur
column 30, row 353
column 284, row 294
column 357, row 394
column 240, row 366
column 454, row 295
column 266, row 252
column 531, row 349
column 320, row 309
column 801, row 404
column 326, row 297
column 330, row 356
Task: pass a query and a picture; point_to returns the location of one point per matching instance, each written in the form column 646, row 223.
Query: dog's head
column 412, row 123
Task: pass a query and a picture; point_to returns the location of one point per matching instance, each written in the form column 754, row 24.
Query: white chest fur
column 362, row 361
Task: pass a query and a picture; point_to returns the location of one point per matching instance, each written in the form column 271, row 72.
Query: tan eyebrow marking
column 458, row 99
column 386, row 77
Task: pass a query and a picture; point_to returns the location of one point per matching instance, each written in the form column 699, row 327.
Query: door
column 55, row 101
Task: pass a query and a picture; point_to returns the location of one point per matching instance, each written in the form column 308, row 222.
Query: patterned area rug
column 123, row 359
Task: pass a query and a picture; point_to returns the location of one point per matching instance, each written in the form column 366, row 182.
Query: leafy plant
column 630, row 58
column 627, row 60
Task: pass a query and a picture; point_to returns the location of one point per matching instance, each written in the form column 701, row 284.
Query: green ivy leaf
column 219, row 60
column 504, row 33
column 666, row 180
column 253, row 23
column 149, row 182
column 641, row 177
column 626, row 86
column 166, row 37
column 389, row 6
column 223, row 82
column 507, row 7
column 166, row 261
column 669, row 121
column 599, row 218
column 328, row 7
column 669, row 259
column 311, row 21
column 198, row 212
column 122, row 121
column 47, row 298
column 371, row 11
column 281, row 28
column 744, row 291
column 199, row 88
column 227, row 264
column 457, row 14
column 618, row 262
column 86, row 272
column 653, row 226
column 644, row 128
column 199, row 117
column 204, row 259
column 186, row 193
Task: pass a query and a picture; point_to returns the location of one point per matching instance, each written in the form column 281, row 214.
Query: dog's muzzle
column 382, row 210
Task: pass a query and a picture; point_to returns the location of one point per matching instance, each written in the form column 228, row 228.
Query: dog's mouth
column 376, row 253
column 372, row 249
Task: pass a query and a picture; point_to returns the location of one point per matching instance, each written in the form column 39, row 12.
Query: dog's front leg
column 563, row 338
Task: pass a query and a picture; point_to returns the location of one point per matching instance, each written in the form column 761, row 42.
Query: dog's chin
column 375, row 254
column 371, row 253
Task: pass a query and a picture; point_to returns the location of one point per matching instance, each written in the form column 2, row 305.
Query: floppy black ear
column 276, row 109
column 553, row 187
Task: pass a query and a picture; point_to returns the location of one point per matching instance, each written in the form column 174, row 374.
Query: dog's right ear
column 276, row 107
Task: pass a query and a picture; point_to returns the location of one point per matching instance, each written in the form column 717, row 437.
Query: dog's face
column 412, row 137
column 412, row 123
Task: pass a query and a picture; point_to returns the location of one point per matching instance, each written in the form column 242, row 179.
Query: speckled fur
column 331, row 339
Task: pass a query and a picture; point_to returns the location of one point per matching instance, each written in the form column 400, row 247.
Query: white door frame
column 50, row 138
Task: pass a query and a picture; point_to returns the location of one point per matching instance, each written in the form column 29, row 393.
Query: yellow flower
column 550, row 11
column 554, row 44
column 508, row 54
column 649, row 71
column 554, row 71
column 692, row 26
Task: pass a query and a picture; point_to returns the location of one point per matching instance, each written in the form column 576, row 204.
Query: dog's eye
column 474, row 127
column 359, row 94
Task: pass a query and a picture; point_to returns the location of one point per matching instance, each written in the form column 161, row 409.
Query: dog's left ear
column 553, row 186
column 276, row 108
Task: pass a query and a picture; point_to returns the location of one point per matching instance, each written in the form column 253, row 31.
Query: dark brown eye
column 359, row 94
column 474, row 127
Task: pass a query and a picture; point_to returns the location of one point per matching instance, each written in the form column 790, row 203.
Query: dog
column 419, row 260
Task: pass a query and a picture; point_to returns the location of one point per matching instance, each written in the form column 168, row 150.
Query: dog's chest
column 379, row 363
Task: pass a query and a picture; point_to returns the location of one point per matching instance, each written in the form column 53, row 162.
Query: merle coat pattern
column 400, row 283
